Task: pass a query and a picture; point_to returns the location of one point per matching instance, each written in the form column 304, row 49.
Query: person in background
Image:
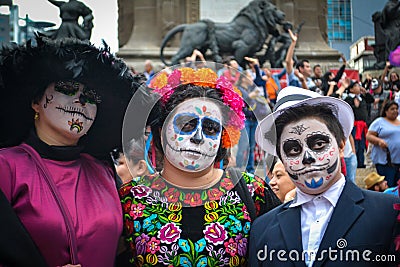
column 308, row 133
column 383, row 134
column 232, row 73
column 193, row 62
column 281, row 183
column 317, row 75
column 375, row 182
column 252, row 109
column 301, row 76
column 192, row 213
column 122, row 169
column 359, row 99
column 148, row 71
column 350, row 159
column 67, row 99
column 329, row 81
column 379, row 98
column 394, row 80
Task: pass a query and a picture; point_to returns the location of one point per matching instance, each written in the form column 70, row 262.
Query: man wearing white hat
column 331, row 222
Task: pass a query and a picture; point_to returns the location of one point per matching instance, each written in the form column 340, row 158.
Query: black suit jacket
column 16, row 246
column 361, row 221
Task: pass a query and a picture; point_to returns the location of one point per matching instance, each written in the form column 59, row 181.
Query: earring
column 36, row 117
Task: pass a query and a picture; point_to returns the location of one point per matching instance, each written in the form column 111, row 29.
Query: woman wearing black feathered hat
column 62, row 108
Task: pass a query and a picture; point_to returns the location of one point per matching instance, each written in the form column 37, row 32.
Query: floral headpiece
column 165, row 85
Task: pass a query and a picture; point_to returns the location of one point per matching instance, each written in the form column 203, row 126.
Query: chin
column 316, row 191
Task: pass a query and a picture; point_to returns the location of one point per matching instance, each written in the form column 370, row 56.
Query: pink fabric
column 89, row 191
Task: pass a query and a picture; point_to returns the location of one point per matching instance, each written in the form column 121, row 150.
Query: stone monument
column 70, row 12
column 144, row 23
column 387, row 31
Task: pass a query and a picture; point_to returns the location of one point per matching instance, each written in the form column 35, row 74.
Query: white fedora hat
column 292, row 97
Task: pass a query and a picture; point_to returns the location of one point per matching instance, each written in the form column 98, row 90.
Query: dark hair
column 180, row 94
column 301, row 63
column 386, row 107
column 135, row 150
column 316, row 66
column 323, row 112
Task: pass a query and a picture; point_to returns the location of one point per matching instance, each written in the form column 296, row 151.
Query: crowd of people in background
column 188, row 188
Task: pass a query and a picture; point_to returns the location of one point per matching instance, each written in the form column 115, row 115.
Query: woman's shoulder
column 15, row 153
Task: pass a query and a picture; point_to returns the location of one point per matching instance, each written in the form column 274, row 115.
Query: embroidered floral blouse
column 170, row 226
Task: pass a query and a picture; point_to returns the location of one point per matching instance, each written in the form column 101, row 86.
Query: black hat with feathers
column 27, row 70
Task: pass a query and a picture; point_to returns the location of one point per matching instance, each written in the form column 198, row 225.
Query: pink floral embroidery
column 141, row 191
column 153, row 245
column 215, row 233
column 169, row 233
column 231, row 247
column 137, row 210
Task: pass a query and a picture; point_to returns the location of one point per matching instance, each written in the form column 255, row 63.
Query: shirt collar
column 332, row 194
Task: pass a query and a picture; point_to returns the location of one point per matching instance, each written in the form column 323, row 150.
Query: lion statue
column 243, row 36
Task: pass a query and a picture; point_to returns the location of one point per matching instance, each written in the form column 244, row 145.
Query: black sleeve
column 339, row 74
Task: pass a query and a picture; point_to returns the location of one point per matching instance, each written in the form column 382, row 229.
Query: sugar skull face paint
column 192, row 134
column 310, row 154
column 68, row 107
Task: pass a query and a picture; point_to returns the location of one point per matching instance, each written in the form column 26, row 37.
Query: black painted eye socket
column 186, row 123
column 318, row 142
column 210, row 127
column 90, row 96
column 292, row 148
column 67, row 87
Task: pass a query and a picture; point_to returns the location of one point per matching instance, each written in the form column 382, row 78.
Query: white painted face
column 310, row 154
column 192, row 134
column 68, row 108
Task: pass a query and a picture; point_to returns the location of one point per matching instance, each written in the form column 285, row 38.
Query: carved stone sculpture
column 278, row 46
column 387, row 31
column 70, row 12
column 243, row 36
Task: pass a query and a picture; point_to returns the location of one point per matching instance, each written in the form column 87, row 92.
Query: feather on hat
column 27, row 70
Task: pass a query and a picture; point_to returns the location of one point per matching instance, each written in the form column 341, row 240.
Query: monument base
column 135, row 57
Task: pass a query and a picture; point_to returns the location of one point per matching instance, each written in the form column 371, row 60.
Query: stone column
column 313, row 38
column 145, row 22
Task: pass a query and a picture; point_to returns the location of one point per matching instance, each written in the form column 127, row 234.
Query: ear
column 342, row 144
column 141, row 168
column 35, row 106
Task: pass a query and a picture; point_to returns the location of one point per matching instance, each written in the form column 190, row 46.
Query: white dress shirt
column 316, row 212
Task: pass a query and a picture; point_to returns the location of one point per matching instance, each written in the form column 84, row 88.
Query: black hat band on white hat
column 295, row 97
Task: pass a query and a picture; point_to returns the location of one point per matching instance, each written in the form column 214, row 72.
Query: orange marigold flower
column 159, row 81
column 188, row 75
column 237, row 90
column 230, row 136
column 206, row 77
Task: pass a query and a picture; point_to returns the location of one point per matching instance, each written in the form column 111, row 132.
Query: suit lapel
column 290, row 224
column 346, row 212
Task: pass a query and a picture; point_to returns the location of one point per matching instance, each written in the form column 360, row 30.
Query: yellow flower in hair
column 230, row 136
column 188, row 75
column 237, row 91
column 160, row 81
column 206, row 77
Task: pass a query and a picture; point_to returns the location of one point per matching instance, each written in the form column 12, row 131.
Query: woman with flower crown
column 193, row 212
